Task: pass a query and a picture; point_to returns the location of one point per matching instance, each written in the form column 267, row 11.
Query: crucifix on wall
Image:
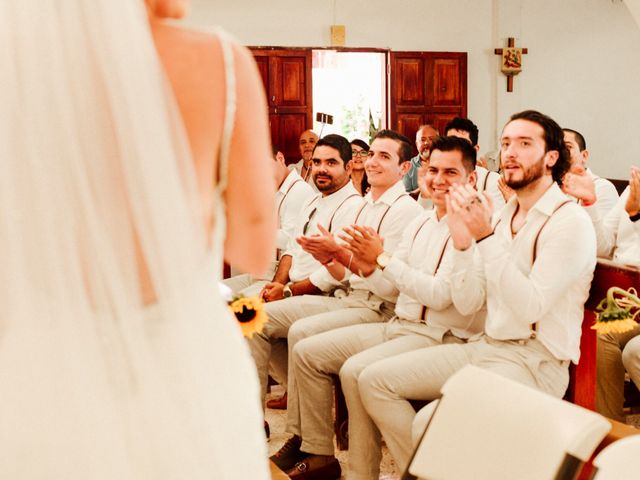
column 511, row 61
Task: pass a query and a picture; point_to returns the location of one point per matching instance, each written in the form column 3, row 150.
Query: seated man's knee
column 631, row 359
column 421, row 421
column 351, row 370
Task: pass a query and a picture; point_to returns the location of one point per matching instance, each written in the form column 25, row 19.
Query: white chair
column 489, row 427
column 619, row 461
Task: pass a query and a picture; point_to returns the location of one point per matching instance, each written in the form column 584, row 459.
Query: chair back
column 619, row 461
column 490, row 427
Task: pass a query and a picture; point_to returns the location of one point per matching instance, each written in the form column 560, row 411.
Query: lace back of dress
column 225, row 142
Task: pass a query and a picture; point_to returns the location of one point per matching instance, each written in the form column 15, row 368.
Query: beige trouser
column 616, row 352
column 245, row 285
column 348, row 351
column 311, row 314
column 386, row 385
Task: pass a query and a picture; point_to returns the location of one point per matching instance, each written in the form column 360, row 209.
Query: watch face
column 286, row 293
column 383, row 259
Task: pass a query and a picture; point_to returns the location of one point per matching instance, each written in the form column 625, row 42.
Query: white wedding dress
column 96, row 382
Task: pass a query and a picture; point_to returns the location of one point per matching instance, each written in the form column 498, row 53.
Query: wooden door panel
column 286, row 74
column 289, row 127
column 440, row 120
column 426, row 87
column 408, row 124
column 409, row 82
column 293, row 81
column 446, row 83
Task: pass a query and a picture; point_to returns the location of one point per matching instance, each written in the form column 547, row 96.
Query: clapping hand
column 365, row 244
column 322, row 247
column 633, row 201
column 580, row 186
column 506, row 191
column 470, row 215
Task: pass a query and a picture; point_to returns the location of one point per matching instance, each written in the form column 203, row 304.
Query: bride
column 128, row 146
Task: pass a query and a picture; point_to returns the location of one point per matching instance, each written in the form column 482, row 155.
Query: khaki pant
column 311, row 314
column 348, row 351
column 387, row 385
column 616, row 352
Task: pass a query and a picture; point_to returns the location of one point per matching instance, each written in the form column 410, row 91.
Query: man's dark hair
column 405, row 150
column 465, row 125
column 553, row 139
column 338, row 142
column 582, row 144
column 456, row 144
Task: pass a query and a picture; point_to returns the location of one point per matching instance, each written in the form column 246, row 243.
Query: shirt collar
column 292, row 177
column 340, row 195
column 389, row 196
column 546, row 204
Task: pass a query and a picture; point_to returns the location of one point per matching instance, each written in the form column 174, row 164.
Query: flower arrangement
column 249, row 312
column 617, row 312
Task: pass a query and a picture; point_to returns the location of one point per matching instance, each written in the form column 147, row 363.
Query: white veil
column 98, row 378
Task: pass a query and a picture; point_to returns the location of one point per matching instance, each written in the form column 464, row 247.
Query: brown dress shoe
column 267, row 430
column 316, row 467
column 289, row 454
column 278, row 403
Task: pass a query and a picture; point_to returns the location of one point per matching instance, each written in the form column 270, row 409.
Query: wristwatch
column 286, row 291
column 383, row 260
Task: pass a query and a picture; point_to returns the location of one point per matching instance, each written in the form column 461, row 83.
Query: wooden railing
column 582, row 385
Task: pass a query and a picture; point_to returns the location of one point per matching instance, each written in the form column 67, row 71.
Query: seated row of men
column 395, row 298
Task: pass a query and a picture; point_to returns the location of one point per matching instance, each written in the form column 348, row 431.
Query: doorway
column 349, row 92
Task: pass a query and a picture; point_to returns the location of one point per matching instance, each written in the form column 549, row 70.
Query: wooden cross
column 511, row 64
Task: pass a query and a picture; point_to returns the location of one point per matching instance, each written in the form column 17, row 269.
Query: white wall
column 582, row 68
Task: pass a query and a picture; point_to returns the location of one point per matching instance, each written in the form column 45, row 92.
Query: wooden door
column 286, row 75
column 426, row 87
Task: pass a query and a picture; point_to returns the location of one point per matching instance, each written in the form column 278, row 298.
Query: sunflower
column 249, row 312
column 615, row 315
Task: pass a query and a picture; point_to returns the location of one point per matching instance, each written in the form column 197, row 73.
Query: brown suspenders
column 534, row 326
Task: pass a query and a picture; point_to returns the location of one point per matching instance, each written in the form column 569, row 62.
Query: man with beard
column 535, row 276
column 387, row 209
column 298, row 273
column 424, row 137
column 306, row 143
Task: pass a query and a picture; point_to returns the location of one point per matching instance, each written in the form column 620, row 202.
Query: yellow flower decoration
column 615, row 314
column 250, row 314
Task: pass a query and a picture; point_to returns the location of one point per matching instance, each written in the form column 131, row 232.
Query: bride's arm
column 251, row 219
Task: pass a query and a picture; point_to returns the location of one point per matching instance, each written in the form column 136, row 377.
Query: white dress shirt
column 290, row 198
column 420, row 270
column 332, row 212
column 618, row 237
column 298, row 168
column 389, row 215
column 487, row 181
column 606, row 193
column 550, row 291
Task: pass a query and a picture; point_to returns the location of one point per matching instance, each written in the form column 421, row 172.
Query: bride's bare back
column 195, row 68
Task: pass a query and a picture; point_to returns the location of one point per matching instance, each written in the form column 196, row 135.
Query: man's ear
column 404, row 167
column 472, row 179
column 585, row 157
column 550, row 158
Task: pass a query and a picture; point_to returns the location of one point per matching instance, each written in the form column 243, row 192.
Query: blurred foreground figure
column 124, row 144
